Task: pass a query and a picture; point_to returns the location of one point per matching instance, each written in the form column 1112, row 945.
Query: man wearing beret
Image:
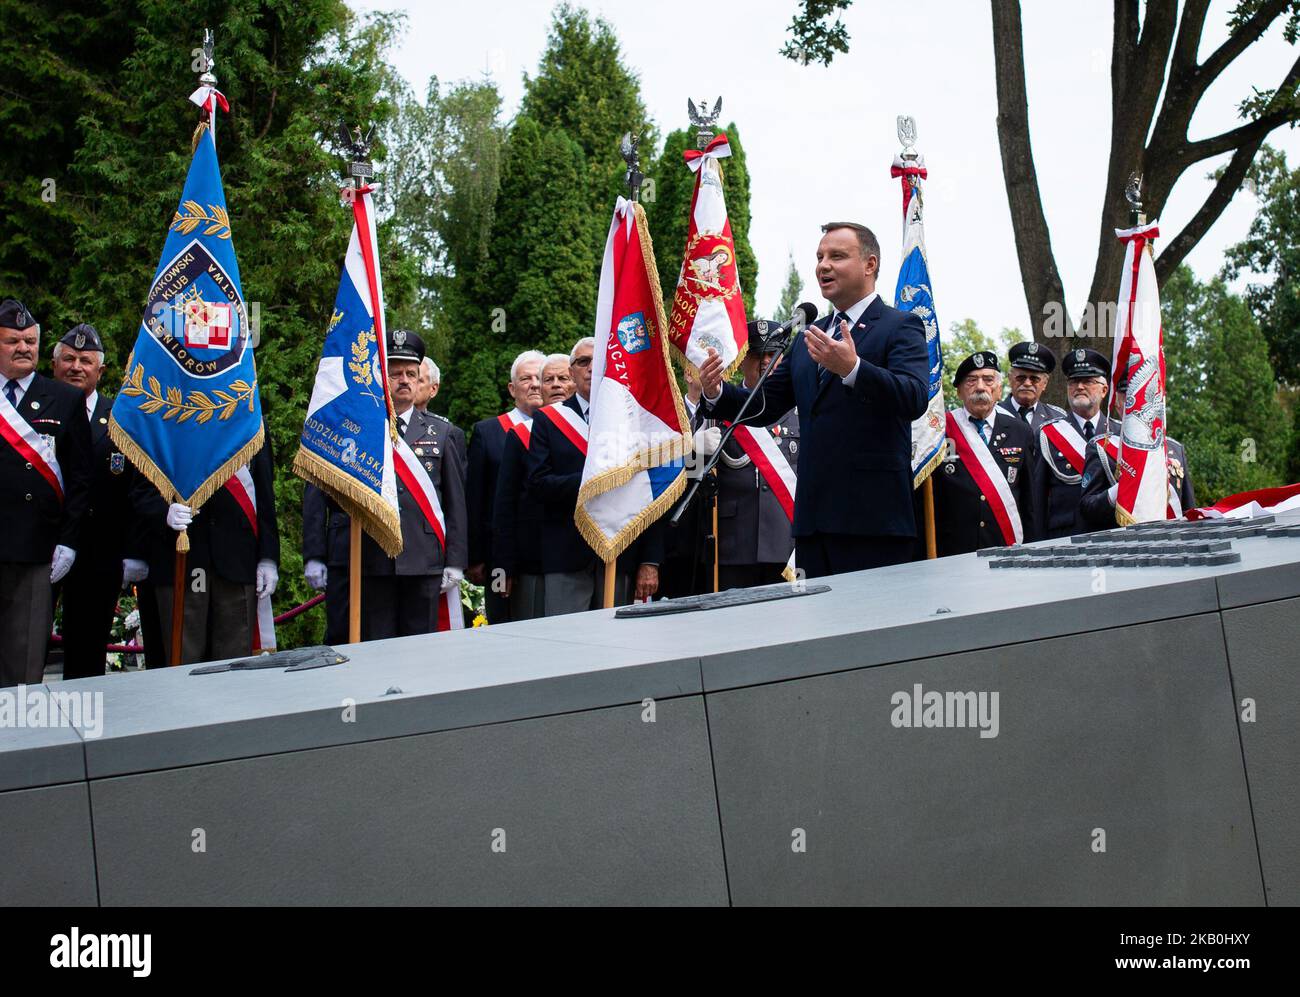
column 91, row 589
column 983, row 488
column 1031, row 368
column 754, row 539
column 858, row 378
column 44, row 493
column 399, row 596
column 1099, row 488
column 1063, row 443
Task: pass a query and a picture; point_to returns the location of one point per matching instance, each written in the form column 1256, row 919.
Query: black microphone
column 804, row 315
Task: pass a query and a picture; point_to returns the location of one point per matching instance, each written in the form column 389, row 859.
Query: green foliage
column 963, row 339
column 1271, row 250
column 1223, row 401
column 790, row 294
column 102, row 111
column 669, row 213
column 814, row 37
column 535, row 289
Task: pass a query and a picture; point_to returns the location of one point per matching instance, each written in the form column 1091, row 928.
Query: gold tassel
column 199, row 129
column 183, row 542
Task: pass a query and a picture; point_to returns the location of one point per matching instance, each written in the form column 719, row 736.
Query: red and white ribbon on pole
column 32, row 447
column 978, row 459
column 210, row 98
column 1141, row 467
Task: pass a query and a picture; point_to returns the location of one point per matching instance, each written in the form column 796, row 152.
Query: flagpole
column 206, row 78
column 354, row 583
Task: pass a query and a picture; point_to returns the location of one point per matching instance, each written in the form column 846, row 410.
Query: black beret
column 1032, row 356
column 14, row 315
column 979, row 360
column 83, row 337
column 403, row 345
column 1085, row 363
column 758, row 332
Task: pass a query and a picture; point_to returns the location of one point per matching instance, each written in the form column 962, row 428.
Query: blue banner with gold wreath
column 188, row 414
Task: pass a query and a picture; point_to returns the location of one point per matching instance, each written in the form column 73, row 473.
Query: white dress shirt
column 91, row 401
column 853, row 314
column 23, row 384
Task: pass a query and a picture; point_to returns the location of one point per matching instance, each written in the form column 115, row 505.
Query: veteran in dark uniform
column 1099, row 486
column 1057, row 479
column 44, row 435
column 91, row 589
column 754, row 538
column 1031, row 369
column 399, row 596
column 964, row 518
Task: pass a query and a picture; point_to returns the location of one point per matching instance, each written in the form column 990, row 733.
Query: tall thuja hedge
column 101, row 126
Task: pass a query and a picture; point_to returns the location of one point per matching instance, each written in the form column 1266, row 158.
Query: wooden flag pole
column 611, row 569
column 178, row 596
column 715, row 533
column 354, row 583
column 931, row 548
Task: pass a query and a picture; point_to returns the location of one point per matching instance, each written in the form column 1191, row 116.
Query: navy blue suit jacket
column 855, row 464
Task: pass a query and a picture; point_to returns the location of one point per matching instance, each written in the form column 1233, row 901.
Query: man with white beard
column 984, row 486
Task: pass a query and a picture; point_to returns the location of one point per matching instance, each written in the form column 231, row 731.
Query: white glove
column 316, row 574
column 1112, row 493
column 706, row 445
column 134, row 570
column 451, row 578
column 61, row 563
column 179, row 516
column 268, row 577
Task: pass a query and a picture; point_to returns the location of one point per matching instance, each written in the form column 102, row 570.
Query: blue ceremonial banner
column 189, row 415
column 346, row 447
column 913, row 295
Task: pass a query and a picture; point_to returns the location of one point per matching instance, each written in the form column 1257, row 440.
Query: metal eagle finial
column 906, row 125
column 628, row 148
column 1133, row 194
column 703, row 122
column 357, row 146
column 209, row 43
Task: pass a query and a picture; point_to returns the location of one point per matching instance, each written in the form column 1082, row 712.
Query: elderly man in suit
column 44, row 492
column 858, row 378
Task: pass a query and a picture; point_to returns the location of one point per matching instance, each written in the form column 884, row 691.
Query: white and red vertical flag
column 707, row 307
column 639, row 434
column 1141, row 469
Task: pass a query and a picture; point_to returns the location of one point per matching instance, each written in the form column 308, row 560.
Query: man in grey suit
column 399, row 596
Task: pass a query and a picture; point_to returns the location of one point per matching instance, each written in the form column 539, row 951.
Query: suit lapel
column 35, row 401
column 98, row 430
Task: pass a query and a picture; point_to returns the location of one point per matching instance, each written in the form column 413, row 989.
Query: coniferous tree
column 790, row 294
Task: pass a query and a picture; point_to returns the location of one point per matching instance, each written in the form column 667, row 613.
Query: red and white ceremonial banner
column 241, row 487
column 639, row 434
column 1140, row 468
column 1244, row 505
column 978, row 459
column 34, row 448
column 707, row 308
column 1173, row 504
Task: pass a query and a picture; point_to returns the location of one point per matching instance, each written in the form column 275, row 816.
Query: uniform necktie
column 1087, row 430
column 11, row 392
column 401, row 426
column 1024, row 412
column 980, row 426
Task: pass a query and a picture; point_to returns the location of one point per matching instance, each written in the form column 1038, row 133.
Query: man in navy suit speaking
column 858, row 379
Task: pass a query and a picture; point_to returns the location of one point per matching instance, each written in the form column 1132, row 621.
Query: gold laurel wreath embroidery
column 197, row 403
column 360, row 362
column 218, row 223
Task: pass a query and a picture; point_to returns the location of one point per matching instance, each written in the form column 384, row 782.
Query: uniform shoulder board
column 440, row 418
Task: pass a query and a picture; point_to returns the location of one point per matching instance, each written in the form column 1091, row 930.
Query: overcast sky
column 820, row 141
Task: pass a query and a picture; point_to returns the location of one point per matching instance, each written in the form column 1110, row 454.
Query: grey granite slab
column 48, row 848
column 37, row 756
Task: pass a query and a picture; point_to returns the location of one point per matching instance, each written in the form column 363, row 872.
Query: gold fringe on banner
column 136, row 455
column 378, row 519
column 926, row 469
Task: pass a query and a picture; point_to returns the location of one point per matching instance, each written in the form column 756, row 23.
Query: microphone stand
column 694, row 488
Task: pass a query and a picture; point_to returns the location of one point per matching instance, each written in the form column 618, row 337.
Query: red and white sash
column 451, row 615
column 420, row 485
column 244, row 492
column 978, row 459
column 772, row 464
column 513, row 422
column 32, row 447
column 568, row 422
column 1067, row 439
